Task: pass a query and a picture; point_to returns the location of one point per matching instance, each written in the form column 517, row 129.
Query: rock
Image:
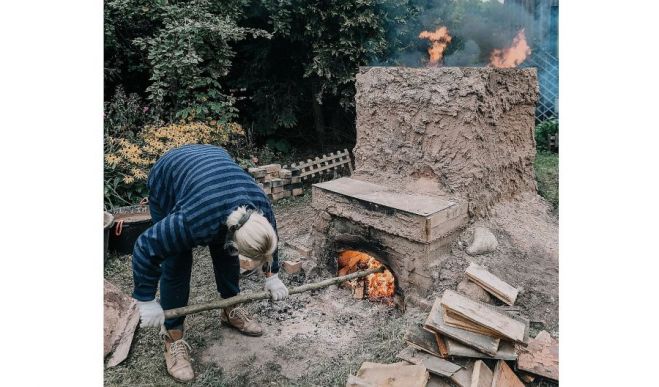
column 473, row 291
column 483, row 242
column 292, row 266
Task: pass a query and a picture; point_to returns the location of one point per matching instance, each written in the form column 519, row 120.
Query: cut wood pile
column 281, row 182
column 490, row 343
column 277, row 182
column 120, row 319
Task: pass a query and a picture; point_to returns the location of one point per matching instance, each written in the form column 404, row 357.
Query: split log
column 423, row 340
column 483, row 343
column 473, row 311
column 242, row 298
column 481, row 375
column 506, row 351
column 434, row 365
column 391, row 375
column 462, row 378
column 540, row 357
column 493, row 284
column 504, row 376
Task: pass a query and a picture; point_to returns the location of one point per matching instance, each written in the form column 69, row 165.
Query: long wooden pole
column 242, row 298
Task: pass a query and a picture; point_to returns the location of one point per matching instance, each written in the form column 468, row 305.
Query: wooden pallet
column 321, row 165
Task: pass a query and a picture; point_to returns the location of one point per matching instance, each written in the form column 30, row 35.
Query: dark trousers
column 177, row 269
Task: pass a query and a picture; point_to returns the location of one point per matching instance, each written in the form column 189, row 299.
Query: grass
column 546, row 174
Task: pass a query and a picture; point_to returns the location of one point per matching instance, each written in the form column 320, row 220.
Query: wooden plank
column 481, row 376
column 422, row 339
column 492, row 283
column 487, row 317
column 506, row 350
column 483, row 343
column 462, row 378
column 540, row 357
column 438, row 381
column 441, row 344
column 455, row 320
column 504, row 376
column 433, row 364
column 391, row 375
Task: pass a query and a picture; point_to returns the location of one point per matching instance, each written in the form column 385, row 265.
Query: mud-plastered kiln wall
column 461, row 133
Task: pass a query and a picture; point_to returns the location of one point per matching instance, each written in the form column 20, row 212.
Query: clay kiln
column 434, row 147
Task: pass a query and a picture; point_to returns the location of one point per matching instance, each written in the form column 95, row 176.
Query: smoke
column 476, row 26
column 469, row 55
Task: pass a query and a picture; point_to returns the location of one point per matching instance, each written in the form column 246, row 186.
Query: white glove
column 277, row 289
column 151, row 313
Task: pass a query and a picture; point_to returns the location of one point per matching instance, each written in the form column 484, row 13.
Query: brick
column 296, row 179
column 276, row 190
column 285, row 174
column 258, row 172
column 272, row 168
column 297, row 191
column 291, row 266
column 277, row 196
column 276, row 182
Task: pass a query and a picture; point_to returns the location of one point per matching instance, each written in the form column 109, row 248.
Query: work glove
column 277, row 289
column 151, row 313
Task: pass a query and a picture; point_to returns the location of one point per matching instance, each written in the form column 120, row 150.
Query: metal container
column 129, row 223
column 108, row 221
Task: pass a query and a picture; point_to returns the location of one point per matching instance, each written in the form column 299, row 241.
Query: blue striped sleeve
column 167, row 237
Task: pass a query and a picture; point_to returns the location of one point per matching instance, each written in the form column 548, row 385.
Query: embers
column 379, row 286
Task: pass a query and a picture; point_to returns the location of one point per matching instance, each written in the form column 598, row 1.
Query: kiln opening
column 375, row 287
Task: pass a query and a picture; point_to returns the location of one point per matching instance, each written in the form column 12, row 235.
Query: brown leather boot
column 177, row 355
column 236, row 317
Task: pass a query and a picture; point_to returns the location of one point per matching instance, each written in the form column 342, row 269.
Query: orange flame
column 378, row 285
column 439, row 41
column 513, row 55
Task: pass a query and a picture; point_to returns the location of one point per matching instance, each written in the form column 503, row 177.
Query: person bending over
column 199, row 196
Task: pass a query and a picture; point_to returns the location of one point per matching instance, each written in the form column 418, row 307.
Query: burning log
column 374, row 286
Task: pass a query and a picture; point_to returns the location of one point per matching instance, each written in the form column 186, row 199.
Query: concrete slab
column 418, row 217
column 417, row 204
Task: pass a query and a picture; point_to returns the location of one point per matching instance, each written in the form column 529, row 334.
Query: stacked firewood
column 277, row 182
column 473, row 343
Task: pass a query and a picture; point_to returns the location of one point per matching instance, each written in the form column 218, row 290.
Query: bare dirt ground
column 318, row 338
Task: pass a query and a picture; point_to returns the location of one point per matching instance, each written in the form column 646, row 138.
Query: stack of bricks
column 276, row 182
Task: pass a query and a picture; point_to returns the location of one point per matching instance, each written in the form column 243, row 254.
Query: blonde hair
column 256, row 239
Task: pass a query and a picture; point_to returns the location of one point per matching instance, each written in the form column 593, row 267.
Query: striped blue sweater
column 195, row 187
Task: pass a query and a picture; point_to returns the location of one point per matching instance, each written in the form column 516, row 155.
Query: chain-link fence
column 547, row 66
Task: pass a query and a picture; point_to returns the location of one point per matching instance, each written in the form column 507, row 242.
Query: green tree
column 304, row 77
column 182, row 47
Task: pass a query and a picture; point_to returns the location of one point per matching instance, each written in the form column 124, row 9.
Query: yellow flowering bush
column 128, row 160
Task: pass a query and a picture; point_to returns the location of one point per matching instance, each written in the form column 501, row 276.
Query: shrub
column 128, row 159
column 125, row 113
column 542, row 132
